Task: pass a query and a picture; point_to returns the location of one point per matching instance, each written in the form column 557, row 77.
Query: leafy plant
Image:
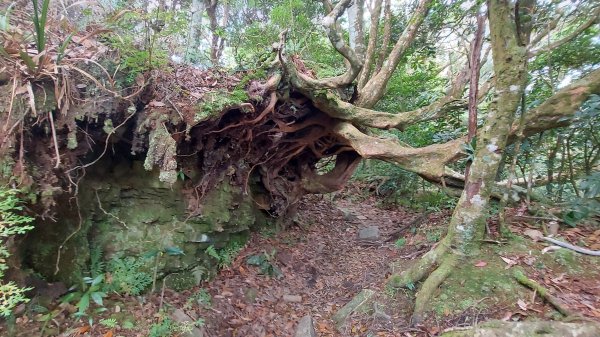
column 91, row 290
column 110, row 323
column 128, row 325
column 203, row 298
column 224, row 256
column 264, row 262
column 11, row 223
column 5, row 18
column 39, row 23
column 400, row 243
column 187, row 327
column 163, row 328
column 128, row 275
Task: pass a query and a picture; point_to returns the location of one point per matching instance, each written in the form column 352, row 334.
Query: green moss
column 181, row 281
column 216, row 101
column 467, row 286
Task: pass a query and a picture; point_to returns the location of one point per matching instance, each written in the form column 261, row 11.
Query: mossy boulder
column 127, row 211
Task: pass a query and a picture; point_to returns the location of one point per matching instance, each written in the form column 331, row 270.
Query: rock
column 251, row 294
column 534, row 234
column 369, row 233
column 553, row 228
column 306, row 327
column 292, row 298
column 360, row 303
column 361, row 217
column 348, row 216
column 128, row 211
column 530, row 328
column 181, row 317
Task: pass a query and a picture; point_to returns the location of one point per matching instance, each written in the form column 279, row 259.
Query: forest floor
column 324, row 264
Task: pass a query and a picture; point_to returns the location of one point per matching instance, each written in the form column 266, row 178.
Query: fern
column 128, row 276
column 97, row 266
column 11, row 224
column 110, row 323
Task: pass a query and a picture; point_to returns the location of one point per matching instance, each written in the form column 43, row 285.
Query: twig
column 162, row 294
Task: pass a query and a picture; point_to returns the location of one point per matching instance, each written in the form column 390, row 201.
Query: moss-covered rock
column 127, row 211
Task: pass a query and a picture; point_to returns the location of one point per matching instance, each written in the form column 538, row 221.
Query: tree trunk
column 467, row 224
column 195, row 31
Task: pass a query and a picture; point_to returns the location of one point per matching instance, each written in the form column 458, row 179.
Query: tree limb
column 592, row 21
column 336, row 38
column 375, row 87
column 372, row 44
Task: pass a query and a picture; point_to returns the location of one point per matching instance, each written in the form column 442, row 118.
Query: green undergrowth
column 475, row 287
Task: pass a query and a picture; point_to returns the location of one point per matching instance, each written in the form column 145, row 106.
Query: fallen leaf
column 108, row 334
column 507, row 316
column 522, row 304
column 81, row 330
column 156, row 104
column 550, row 249
column 553, row 228
column 481, row 264
column 508, row 261
column 534, row 234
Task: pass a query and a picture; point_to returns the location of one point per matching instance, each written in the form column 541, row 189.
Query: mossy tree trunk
column 467, row 225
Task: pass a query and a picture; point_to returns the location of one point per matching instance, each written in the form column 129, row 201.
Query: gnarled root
column 434, row 267
column 431, row 283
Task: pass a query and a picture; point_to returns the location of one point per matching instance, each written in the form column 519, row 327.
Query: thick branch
column 337, row 40
column 387, row 34
column 336, row 108
column 357, row 23
column 372, row 44
column 428, row 161
column 558, row 110
column 345, row 165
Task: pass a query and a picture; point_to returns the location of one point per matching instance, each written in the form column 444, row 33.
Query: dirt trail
column 324, row 264
column 323, row 261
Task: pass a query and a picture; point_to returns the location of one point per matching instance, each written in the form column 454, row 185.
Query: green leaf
column 174, row 251
column 256, row 260
column 68, row 298
column 63, row 46
column 28, row 60
column 84, row 303
column 97, row 297
column 150, row 254
column 98, row 279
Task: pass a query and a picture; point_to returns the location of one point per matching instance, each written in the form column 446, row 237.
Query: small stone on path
column 292, row 298
column 306, row 327
column 369, row 233
column 180, row 316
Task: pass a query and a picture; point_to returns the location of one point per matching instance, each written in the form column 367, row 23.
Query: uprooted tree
column 292, row 133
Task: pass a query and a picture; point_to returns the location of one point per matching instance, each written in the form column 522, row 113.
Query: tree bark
column 467, row 224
